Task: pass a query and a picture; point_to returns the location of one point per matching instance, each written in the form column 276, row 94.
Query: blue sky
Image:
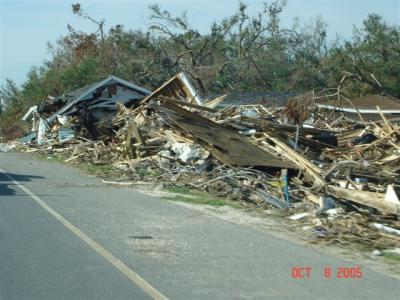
column 27, row 25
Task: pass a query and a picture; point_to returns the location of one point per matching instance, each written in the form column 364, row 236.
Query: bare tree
column 77, row 10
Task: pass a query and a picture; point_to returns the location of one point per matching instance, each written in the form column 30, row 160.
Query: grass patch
column 56, row 158
column 182, row 190
column 366, row 250
column 50, row 157
column 142, row 172
column 393, row 261
column 196, row 197
column 391, row 257
column 199, row 200
column 98, row 170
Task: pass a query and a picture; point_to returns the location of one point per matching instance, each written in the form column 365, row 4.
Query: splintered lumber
column 128, row 139
column 116, row 182
column 386, row 228
column 215, row 102
column 371, row 199
column 191, row 105
column 178, row 87
column 225, row 144
column 311, row 171
column 74, row 157
column 387, row 123
column 293, row 128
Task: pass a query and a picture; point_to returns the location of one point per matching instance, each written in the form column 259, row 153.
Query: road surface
column 65, row 235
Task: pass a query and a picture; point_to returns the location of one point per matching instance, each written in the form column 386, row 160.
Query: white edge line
column 118, row 264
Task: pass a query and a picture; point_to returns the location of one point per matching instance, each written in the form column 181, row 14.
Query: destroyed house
column 93, row 105
column 89, row 110
column 99, row 96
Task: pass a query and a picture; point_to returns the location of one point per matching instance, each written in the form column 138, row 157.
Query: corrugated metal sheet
column 28, row 138
column 66, row 134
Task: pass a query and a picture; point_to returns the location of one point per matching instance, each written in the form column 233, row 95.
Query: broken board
column 227, row 145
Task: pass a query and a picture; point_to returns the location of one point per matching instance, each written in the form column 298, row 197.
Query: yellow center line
column 117, row 263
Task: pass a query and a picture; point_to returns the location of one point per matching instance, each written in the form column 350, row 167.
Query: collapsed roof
column 103, row 94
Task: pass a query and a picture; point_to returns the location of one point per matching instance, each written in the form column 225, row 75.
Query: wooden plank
column 293, row 128
column 178, row 87
column 375, row 200
column 311, row 171
column 215, row 102
column 225, row 144
column 191, row 105
column 387, row 123
column 167, row 89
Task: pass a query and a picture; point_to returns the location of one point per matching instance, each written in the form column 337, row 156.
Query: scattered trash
column 8, row 147
column 65, row 134
column 395, row 251
column 299, row 216
column 376, row 252
column 386, row 229
column 332, row 212
column 326, row 203
column 320, row 231
column 116, row 182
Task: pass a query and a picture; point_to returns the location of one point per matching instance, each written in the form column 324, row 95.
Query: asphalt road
column 178, row 252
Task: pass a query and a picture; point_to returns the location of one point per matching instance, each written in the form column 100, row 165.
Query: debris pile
column 341, row 177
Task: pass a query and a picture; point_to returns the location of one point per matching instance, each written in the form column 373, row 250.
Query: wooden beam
column 312, row 172
column 225, row 144
column 371, row 199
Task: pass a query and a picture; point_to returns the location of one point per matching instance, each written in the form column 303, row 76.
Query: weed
column 391, row 257
column 196, row 197
column 98, row 170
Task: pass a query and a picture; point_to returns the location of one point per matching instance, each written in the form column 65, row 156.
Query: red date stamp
column 328, row 272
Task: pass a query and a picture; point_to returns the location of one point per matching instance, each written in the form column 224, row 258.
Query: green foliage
column 202, row 200
column 81, row 74
column 182, row 194
column 372, row 56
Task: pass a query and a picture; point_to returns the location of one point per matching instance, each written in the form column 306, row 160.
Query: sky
column 27, row 25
